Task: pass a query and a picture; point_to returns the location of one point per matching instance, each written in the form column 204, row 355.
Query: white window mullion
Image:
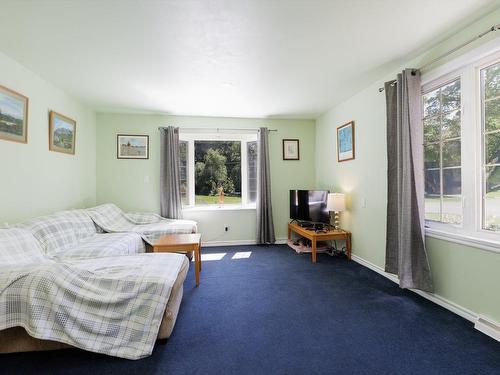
column 244, row 173
column 469, row 149
column 191, row 197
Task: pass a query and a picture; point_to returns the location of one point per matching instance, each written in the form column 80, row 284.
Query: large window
column 218, row 170
column 442, row 132
column 490, row 119
column 461, row 120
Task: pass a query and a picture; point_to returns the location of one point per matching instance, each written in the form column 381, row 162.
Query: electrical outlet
column 226, row 228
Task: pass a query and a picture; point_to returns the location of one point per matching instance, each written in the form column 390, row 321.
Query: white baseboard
column 481, row 323
column 488, row 327
column 279, row 241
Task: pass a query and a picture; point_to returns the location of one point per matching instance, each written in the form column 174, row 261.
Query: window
column 442, row 153
column 490, row 123
column 220, row 170
column 461, row 121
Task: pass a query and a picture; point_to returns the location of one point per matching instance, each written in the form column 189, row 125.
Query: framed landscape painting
column 345, row 142
column 129, row 146
column 291, row 149
column 13, row 116
column 62, row 133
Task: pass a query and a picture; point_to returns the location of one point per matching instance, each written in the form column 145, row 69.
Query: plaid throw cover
column 150, row 226
column 74, row 234
column 111, row 305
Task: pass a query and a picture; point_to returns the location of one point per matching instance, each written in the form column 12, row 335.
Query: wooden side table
column 174, row 243
column 314, row 237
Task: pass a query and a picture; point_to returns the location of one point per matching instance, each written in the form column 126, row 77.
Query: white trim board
column 279, row 241
column 481, row 323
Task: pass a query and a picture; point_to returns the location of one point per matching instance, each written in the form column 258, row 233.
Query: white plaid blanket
column 74, row 234
column 150, row 226
column 111, row 305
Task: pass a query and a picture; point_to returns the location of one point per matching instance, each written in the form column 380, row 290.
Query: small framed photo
column 345, row 142
column 291, row 149
column 13, row 116
column 130, row 146
column 62, row 133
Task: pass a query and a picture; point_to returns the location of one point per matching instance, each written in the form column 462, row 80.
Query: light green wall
column 34, row 180
column 467, row 276
column 135, row 185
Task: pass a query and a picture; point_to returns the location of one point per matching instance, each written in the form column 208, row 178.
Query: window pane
column 252, row 171
column 452, row 201
column 451, row 153
column 452, row 181
column 431, row 155
column 431, row 129
column 490, row 77
column 183, row 150
column 492, row 198
column 432, row 182
column 492, row 115
column 432, row 106
column 452, row 210
column 217, row 172
column 492, row 148
column 450, row 96
column 451, row 125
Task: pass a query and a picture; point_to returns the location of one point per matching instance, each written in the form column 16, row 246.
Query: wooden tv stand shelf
column 314, row 236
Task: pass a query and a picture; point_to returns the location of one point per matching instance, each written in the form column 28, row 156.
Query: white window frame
column 467, row 68
column 244, row 138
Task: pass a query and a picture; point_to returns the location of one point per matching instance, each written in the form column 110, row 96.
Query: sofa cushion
column 61, row 230
column 19, row 247
column 103, row 245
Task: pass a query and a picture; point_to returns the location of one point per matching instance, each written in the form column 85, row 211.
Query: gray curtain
column 170, row 191
column 406, row 254
column 265, row 225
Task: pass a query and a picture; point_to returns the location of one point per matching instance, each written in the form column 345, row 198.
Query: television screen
column 309, row 205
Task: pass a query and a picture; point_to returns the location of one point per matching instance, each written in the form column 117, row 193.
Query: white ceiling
column 241, row 58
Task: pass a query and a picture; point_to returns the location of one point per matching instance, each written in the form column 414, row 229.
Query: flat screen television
column 309, row 205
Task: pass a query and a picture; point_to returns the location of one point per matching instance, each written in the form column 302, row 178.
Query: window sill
column 219, row 208
column 464, row 239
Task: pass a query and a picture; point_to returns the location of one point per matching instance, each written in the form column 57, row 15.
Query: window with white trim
column 218, row 170
column 442, row 153
column 461, row 121
column 490, row 124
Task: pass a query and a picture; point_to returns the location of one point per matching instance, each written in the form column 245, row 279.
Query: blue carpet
column 277, row 313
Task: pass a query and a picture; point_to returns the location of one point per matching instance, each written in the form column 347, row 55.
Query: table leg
column 348, row 246
column 313, row 250
column 289, row 233
column 199, row 252
column 197, row 260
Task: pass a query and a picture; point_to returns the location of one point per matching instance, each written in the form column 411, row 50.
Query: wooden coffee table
column 174, row 243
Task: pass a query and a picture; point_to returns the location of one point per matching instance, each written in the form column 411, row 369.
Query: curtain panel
column 406, row 254
column 170, row 191
column 265, row 224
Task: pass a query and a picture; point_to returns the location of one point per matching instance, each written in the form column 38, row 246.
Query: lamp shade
column 335, row 202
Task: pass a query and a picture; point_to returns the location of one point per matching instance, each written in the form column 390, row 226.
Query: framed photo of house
column 291, row 149
column 13, row 116
column 62, row 133
column 132, row 146
column 345, row 142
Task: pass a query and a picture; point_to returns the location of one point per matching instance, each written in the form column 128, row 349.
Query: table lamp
column 336, row 203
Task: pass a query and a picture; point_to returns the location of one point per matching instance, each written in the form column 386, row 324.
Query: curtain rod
column 491, row 29
column 224, row 129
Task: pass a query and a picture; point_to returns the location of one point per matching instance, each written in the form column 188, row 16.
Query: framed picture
column 13, row 116
column 291, row 149
column 62, row 133
column 345, row 142
column 130, row 146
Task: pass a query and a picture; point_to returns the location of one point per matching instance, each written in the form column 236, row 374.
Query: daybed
column 60, row 272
